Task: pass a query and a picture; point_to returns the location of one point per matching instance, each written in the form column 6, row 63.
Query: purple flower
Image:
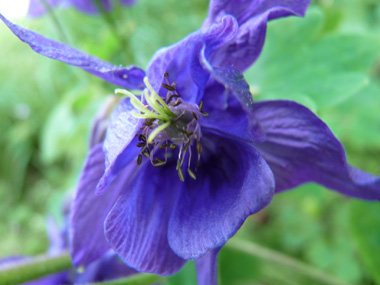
column 181, row 168
column 37, row 8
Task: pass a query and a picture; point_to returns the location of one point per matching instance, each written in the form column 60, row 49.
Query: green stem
column 282, row 259
column 138, row 279
column 56, row 22
column 33, row 268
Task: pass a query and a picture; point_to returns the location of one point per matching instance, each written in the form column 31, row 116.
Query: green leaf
column 327, row 69
column 236, row 267
column 365, row 221
column 357, row 123
column 73, row 115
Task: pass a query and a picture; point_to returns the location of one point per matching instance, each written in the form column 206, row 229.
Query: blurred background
column 328, row 61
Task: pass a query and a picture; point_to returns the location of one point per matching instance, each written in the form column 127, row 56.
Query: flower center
column 169, row 124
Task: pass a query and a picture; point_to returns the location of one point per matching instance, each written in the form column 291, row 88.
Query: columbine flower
column 183, row 166
column 37, row 8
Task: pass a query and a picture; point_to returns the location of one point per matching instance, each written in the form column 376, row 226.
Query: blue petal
column 220, row 33
column 127, row 77
column 247, row 9
column 89, row 211
column 101, row 120
column 207, row 268
column 176, row 61
column 252, row 17
column 229, row 114
column 236, row 117
column 233, row 182
column 213, row 38
column 181, row 60
column 120, row 142
column 233, row 121
column 137, row 226
column 300, row 148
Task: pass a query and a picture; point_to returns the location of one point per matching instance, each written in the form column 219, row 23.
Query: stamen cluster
column 168, row 124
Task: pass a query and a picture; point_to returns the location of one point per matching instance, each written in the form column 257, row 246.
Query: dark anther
column 146, row 149
column 192, row 175
column 195, row 116
column 142, row 138
column 168, row 87
column 201, row 106
column 180, row 174
column 147, row 123
column 205, row 114
column 186, row 146
column 189, row 133
column 171, row 97
column 139, row 158
column 199, row 148
column 166, row 74
column 173, row 146
column 164, row 145
column 178, row 118
column 141, row 144
column 176, row 103
column 158, row 163
column 146, row 152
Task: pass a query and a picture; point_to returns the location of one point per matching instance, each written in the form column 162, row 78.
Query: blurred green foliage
column 329, row 61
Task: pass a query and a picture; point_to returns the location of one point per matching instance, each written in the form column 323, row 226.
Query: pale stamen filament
column 157, row 130
column 141, row 107
column 154, row 96
column 155, row 106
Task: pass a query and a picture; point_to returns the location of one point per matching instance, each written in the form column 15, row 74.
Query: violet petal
column 89, row 211
column 137, row 226
column 176, row 61
column 252, row 17
column 237, row 118
column 120, row 142
column 300, row 148
column 127, row 77
column 233, row 182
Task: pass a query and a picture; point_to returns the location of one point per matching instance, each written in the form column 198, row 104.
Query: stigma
column 171, row 125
